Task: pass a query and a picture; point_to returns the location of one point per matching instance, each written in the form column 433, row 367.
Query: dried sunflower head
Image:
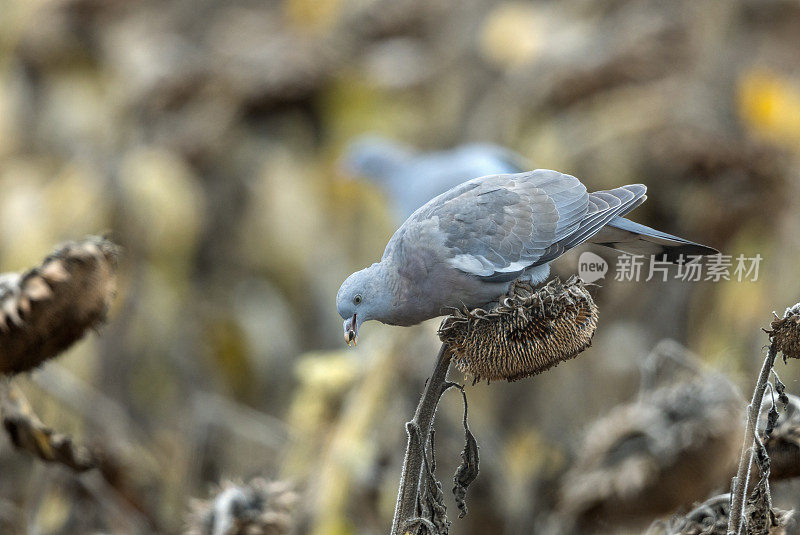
column 48, row 308
column 527, row 332
column 711, row 518
column 258, row 507
column 785, row 332
column 641, row 459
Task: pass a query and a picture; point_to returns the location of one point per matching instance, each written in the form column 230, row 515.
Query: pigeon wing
column 496, row 227
column 493, row 226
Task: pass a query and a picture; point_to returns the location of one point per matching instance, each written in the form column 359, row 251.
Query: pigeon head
column 375, row 158
column 363, row 296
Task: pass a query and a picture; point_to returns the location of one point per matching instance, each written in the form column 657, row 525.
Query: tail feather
column 625, row 235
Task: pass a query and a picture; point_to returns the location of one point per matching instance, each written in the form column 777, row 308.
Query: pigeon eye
column 357, row 299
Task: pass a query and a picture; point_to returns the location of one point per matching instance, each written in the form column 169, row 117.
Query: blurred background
column 206, row 138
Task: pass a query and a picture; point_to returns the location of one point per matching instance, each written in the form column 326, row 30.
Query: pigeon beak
column 351, row 331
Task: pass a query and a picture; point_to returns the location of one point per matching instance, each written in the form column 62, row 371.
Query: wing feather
column 496, row 227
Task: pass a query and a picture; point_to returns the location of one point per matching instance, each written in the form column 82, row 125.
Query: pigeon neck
column 387, row 290
column 385, row 277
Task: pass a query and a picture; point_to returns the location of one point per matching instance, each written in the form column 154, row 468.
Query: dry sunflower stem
column 754, row 514
column 114, row 474
column 412, row 495
column 46, row 309
column 258, row 507
column 28, row 433
column 528, row 331
column 711, row 518
column 431, row 511
column 772, row 463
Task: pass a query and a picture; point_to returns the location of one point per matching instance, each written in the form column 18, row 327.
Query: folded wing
column 497, row 227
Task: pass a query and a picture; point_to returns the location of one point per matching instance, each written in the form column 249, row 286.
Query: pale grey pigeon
column 410, row 179
column 465, row 246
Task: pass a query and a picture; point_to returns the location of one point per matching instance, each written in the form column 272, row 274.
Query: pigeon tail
column 625, row 235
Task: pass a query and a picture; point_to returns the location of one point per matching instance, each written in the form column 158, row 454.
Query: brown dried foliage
column 28, row 433
column 259, row 507
column 783, row 442
column 48, row 308
column 642, row 459
column 711, row 518
column 785, row 333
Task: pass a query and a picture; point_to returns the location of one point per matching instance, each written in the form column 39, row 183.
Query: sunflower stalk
column 784, row 337
column 418, row 429
column 736, row 521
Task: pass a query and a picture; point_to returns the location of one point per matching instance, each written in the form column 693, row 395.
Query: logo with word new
column 689, row 268
column 591, row 267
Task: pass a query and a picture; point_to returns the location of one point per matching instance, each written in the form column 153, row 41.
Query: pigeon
column 410, row 179
column 466, row 246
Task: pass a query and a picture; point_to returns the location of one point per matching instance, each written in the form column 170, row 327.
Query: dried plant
column 785, row 333
column 783, row 444
column 43, row 311
column 643, row 458
column 525, row 333
column 529, row 331
column 711, row 518
column 28, row 433
column 753, row 514
column 46, row 309
column 259, row 507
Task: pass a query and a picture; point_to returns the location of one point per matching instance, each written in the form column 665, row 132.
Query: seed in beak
column 351, row 330
column 350, row 336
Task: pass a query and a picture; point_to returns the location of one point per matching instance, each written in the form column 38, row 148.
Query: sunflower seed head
column 527, row 332
column 46, row 309
column 258, row 507
column 785, row 333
